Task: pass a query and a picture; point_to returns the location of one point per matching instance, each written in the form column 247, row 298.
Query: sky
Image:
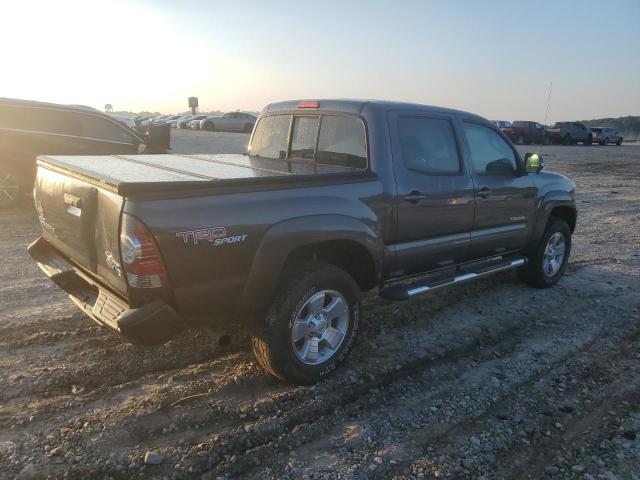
column 493, row 58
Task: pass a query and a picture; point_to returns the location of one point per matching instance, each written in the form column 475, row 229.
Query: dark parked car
column 336, row 197
column 522, row 132
column 569, row 133
column 230, row 122
column 28, row 129
column 606, row 135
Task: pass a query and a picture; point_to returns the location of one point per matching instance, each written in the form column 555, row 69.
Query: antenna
column 546, row 115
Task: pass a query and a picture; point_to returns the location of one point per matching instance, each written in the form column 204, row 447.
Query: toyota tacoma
column 333, row 198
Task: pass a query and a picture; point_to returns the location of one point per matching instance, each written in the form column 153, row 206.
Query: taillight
column 141, row 259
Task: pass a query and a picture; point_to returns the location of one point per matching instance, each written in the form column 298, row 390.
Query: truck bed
column 125, row 174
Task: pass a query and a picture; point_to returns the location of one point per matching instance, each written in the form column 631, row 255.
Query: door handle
column 484, row 192
column 415, row 197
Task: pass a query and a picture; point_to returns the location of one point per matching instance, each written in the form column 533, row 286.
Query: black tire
column 520, row 140
column 567, row 140
column 248, row 128
column 588, row 141
column 273, row 343
column 546, row 141
column 208, row 126
column 12, row 187
column 606, row 141
column 619, row 142
column 533, row 272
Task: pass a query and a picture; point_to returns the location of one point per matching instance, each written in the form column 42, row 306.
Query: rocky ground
column 485, row 380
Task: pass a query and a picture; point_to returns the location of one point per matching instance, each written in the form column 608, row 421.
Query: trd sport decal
column 216, row 235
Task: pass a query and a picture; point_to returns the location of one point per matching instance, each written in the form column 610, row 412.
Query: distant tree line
column 628, row 126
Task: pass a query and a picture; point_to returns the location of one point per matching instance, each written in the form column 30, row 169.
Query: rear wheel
column 311, row 326
column 567, row 139
column 11, row 188
column 589, row 140
column 549, row 261
column 606, row 141
column 619, row 142
column 248, row 128
column 546, row 141
column 208, row 126
column 520, row 140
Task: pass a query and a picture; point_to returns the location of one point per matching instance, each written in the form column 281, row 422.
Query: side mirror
column 533, row 162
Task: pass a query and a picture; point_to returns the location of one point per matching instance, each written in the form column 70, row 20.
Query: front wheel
column 311, row 325
column 549, row 260
column 619, row 142
column 546, row 141
column 520, row 140
column 588, row 141
column 567, row 140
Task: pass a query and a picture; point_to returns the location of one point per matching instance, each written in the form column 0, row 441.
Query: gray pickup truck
column 334, row 198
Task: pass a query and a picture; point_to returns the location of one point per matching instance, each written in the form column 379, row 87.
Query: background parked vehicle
column 569, row 133
column 184, row 121
column 194, row 123
column 29, row 129
column 232, row 121
column 522, row 132
column 501, row 123
column 606, row 135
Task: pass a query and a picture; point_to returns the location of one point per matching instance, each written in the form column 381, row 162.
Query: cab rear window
column 321, row 140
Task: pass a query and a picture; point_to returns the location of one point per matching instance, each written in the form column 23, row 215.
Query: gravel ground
column 485, row 380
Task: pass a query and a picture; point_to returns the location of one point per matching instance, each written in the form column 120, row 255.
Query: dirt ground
column 486, row 380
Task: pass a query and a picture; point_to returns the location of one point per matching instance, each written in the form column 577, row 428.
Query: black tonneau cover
column 124, row 174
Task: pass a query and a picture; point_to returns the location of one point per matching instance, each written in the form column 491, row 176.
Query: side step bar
column 404, row 291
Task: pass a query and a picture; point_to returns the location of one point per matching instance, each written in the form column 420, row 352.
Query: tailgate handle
column 74, row 204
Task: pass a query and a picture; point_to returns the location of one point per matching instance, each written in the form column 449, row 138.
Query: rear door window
column 303, row 137
column 428, row 145
column 270, row 137
column 342, row 142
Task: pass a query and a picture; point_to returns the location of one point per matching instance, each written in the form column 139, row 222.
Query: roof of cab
column 357, row 106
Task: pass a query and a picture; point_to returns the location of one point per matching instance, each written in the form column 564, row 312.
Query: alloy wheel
column 554, row 254
column 320, row 327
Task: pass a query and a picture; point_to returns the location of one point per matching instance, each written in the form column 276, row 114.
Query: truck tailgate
column 81, row 220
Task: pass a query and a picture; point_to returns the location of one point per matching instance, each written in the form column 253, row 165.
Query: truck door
column 435, row 192
column 505, row 194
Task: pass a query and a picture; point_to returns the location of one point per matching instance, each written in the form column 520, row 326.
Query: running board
column 404, row 291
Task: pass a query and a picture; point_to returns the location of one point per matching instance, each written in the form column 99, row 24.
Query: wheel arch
column 346, row 242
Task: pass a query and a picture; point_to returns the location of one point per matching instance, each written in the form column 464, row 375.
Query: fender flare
column 283, row 238
column 550, row 200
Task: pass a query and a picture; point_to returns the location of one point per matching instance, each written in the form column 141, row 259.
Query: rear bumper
column 150, row 324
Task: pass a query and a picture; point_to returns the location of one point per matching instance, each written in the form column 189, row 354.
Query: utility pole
column 546, row 115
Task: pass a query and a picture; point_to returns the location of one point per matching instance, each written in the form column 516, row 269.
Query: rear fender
column 283, row 238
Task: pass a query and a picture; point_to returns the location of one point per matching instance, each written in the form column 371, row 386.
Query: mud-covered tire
column 533, row 272
column 12, row 189
column 272, row 341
